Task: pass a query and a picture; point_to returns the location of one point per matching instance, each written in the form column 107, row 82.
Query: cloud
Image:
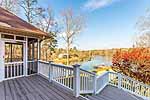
column 96, row 4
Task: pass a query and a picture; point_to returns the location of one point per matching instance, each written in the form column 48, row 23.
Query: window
column 20, row 38
column 32, row 50
column 7, row 36
column 13, row 52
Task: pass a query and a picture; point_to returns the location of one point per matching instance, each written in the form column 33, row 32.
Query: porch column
column 2, row 60
column 38, row 53
column 26, row 57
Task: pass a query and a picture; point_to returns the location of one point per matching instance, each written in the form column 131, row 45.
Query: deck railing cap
column 76, row 65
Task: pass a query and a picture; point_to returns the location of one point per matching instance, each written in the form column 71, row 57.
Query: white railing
column 32, row 67
column 134, row 86
column 123, row 82
column 62, row 74
column 44, row 69
column 102, row 81
column 82, row 82
column 87, row 81
column 14, row 69
column 78, row 80
column 113, row 78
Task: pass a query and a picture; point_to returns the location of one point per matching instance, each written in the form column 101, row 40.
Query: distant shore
column 101, row 69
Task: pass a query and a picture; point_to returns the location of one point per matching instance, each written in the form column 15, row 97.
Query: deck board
column 33, row 87
column 2, row 92
column 59, row 91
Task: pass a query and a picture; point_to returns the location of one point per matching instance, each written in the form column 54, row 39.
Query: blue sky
column 110, row 23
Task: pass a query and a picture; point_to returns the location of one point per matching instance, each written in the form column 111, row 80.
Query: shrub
column 134, row 63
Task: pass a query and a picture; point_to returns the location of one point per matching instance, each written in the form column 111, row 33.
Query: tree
column 45, row 21
column 143, row 26
column 30, row 8
column 134, row 63
column 72, row 25
column 10, row 5
column 143, row 40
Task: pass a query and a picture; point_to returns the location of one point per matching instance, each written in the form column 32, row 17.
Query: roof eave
column 41, row 35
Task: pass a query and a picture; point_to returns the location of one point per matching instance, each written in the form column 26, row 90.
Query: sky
column 109, row 23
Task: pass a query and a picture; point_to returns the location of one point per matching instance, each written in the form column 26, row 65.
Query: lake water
column 96, row 61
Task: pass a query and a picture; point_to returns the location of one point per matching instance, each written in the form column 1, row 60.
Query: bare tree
column 45, row 20
column 29, row 7
column 143, row 40
column 47, row 23
column 72, row 25
column 143, row 26
column 10, row 5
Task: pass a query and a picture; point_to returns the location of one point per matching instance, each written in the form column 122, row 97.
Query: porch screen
column 13, row 52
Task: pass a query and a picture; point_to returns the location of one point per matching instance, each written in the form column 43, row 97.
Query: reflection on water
column 96, row 61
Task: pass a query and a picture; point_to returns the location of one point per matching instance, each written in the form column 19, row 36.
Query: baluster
column 21, row 68
column 17, row 69
column 7, row 70
column 14, row 70
column 86, row 81
column 119, row 80
column 11, row 70
column 65, row 76
column 59, row 74
column 68, row 78
column 62, row 76
column 83, row 80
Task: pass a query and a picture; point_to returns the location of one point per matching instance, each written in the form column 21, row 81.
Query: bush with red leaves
column 134, row 62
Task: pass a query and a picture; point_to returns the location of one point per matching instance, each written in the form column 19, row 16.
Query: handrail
column 130, row 85
column 88, row 82
column 43, row 61
column 62, row 66
column 14, row 62
column 136, row 80
column 87, row 71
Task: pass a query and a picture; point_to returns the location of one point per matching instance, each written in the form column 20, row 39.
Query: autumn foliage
column 134, row 62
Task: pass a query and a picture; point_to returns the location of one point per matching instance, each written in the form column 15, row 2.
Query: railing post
column 76, row 81
column 95, row 83
column 119, row 80
column 50, row 71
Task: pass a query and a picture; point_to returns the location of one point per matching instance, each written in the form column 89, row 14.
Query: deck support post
column 50, row 71
column 119, row 80
column 76, row 80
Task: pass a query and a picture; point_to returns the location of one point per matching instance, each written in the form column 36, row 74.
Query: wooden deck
column 33, row 87
column 113, row 93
